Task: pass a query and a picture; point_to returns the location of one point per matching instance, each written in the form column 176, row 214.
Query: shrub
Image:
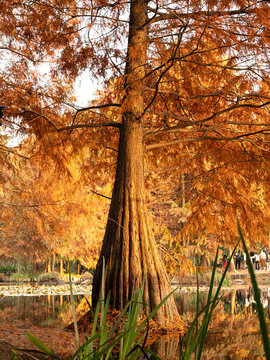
column 49, row 278
column 8, row 269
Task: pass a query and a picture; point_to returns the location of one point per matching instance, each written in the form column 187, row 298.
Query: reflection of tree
column 234, row 328
column 236, row 335
column 166, row 347
column 187, row 303
column 36, row 310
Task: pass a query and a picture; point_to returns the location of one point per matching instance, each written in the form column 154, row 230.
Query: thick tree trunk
column 129, row 246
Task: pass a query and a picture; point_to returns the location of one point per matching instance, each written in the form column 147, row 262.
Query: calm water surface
column 233, row 334
column 43, row 310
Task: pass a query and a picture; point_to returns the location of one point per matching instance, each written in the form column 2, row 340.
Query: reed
column 126, row 339
column 196, row 335
column 263, row 326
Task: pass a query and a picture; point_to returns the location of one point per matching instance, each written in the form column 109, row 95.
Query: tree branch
column 26, row 205
column 104, row 196
column 187, row 122
column 5, row 148
column 18, row 53
column 91, row 108
column 94, row 125
column 74, row 126
column 177, row 15
column 202, row 138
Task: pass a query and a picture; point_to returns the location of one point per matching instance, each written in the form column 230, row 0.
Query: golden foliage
column 206, row 119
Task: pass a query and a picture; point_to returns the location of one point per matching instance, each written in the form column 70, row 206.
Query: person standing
column 238, row 260
column 225, row 261
column 257, row 262
column 252, row 257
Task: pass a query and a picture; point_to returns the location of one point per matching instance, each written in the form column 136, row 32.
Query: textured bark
column 129, row 246
column 205, row 262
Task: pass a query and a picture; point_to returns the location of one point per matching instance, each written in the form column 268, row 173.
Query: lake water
column 43, row 310
column 233, row 333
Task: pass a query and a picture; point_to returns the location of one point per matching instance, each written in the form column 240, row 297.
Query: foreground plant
column 263, row 326
column 127, row 338
column 197, row 332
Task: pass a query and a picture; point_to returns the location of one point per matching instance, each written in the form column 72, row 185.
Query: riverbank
column 233, row 278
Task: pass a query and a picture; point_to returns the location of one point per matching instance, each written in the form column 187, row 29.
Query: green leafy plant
column 197, row 332
column 8, row 269
column 127, row 337
column 19, row 277
column 49, row 277
column 263, row 326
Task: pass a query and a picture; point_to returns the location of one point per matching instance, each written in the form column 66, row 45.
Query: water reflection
column 234, row 331
column 44, row 310
column 233, row 334
column 234, row 301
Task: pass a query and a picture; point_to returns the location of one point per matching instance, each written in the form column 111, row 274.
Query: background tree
column 46, row 213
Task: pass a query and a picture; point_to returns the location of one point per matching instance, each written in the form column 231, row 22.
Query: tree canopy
column 185, row 93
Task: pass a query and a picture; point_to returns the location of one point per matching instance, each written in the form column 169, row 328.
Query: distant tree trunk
column 25, row 266
column 61, row 266
column 205, row 262
column 49, row 265
column 19, row 265
column 129, row 246
column 53, row 262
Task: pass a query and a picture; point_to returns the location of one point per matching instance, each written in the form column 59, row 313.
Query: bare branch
column 91, row 108
column 73, row 126
column 5, row 148
column 104, row 196
column 99, row 107
column 94, row 125
column 175, row 15
column 39, row 115
column 18, row 53
column 202, row 138
column 26, row 205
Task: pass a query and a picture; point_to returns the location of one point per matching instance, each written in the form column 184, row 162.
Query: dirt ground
column 61, row 342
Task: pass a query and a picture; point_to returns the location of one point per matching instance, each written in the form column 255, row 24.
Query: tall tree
column 190, row 81
column 45, row 213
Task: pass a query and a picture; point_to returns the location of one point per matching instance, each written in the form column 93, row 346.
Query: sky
column 85, row 88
